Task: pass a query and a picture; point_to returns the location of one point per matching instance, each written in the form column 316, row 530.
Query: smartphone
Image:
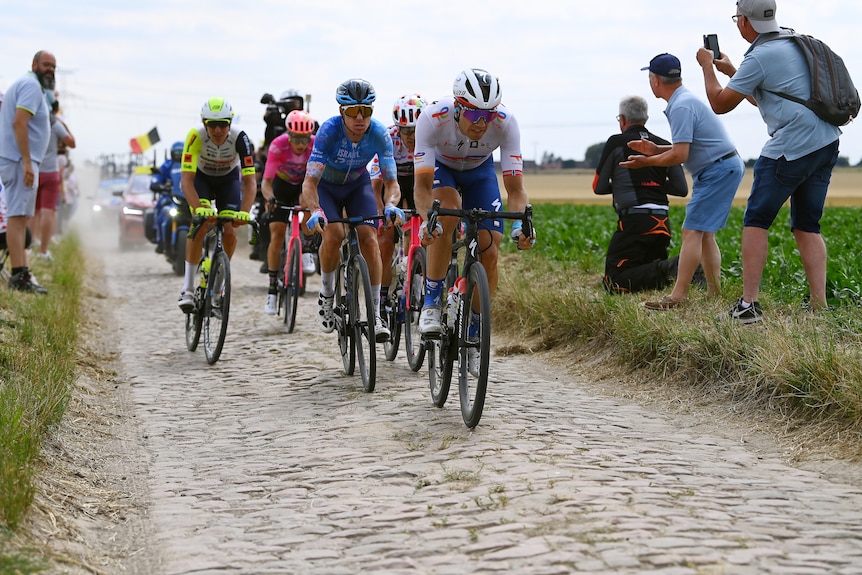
column 710, row 42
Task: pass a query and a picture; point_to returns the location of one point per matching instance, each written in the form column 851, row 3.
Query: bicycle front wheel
column 474, row 344
column 217, row 307
column 362, row 317
column 414, row 300
column 291, row 285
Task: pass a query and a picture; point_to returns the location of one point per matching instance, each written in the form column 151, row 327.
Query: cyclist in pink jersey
column 455, row 139
column 281, row 187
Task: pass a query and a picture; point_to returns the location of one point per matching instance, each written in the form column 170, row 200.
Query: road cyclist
column 281, row 187
column 405, row 112
column 217, row 174
column 337, row 181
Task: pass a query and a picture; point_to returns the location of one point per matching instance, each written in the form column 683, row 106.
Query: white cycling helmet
column 216, row 109
column 476, row 88
column 407, row 109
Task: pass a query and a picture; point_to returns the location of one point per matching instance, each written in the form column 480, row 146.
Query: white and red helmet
column 407, row 109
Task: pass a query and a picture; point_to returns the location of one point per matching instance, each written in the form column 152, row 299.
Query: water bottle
column 451, row 307
column 205, row 271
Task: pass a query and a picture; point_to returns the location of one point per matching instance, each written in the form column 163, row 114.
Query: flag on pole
column 143, row 143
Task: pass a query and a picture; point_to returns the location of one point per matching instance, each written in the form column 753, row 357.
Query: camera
column 277, row 111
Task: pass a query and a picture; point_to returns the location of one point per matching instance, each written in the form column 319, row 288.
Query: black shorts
column 286, row 196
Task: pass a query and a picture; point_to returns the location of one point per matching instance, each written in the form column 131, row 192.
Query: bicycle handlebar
column 198, row 220
column 478, row 214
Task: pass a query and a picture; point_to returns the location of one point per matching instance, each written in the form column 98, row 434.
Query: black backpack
column 833, row 96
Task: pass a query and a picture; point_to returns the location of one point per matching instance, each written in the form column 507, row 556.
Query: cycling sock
column 473, row 328
column 273, row 280
column 189, row 279
column 327, row 283
column 376, row 289
column 384, row 294
column 432, row 292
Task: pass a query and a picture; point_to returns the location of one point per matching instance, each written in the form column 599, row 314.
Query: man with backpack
column 797, row 160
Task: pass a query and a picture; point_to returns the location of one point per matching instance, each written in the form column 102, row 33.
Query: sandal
column 666, row 302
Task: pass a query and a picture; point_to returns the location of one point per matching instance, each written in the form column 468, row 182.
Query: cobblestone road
column 271, row 461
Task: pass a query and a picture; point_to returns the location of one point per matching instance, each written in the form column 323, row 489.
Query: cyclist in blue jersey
column 337, row 180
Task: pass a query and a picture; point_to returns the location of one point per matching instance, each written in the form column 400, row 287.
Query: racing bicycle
column 466, row 315
column 406, row 293
column 292, row 284
column 209, row 314
column 354, row 305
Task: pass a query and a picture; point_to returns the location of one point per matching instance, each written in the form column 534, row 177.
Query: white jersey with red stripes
column 438, row 139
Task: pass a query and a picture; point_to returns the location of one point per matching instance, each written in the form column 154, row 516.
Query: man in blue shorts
column 336, row 180
column 796, row 162
column 25, row 131
column 701, row 143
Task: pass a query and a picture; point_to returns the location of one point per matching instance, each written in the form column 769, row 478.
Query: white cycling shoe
column 381, row 330
column 325, row 315
column 271, row 305
column 430, row 321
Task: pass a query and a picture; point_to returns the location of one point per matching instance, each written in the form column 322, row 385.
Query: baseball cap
column 761, row 14
column 666, row 65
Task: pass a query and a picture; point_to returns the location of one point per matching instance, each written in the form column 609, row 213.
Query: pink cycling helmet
column 299, row 122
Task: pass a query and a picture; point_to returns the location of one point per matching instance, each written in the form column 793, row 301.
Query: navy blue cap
column 666, row 65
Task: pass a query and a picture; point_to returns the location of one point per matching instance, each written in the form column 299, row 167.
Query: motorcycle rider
column 169, row 172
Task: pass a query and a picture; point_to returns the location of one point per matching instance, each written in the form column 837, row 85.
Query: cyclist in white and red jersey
column 403, row 132
column 337, row 180
column 217, row 171
column 281, row 186
column 455, row 139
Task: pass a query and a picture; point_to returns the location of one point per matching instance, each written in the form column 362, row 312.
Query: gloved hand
column 427, row 237
column 243, row 216
column 316, row 221
column 519, row 238
column 393, row 214
column 205, row 211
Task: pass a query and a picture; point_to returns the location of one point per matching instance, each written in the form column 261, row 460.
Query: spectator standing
column 24, row 134
column 797, row 160
column 701, row 143
column 637, row 254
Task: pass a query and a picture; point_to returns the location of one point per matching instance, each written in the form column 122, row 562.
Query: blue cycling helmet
column 354, row 92
column 177, row 148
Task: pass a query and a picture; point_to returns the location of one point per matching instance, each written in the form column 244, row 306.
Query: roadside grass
column 800, row 364
column 39, row 336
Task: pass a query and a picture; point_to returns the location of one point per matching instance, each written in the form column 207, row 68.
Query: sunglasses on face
column 300, row 139
column 407, row 131
column 354, row 111
column 473, row 115
column 220, row 124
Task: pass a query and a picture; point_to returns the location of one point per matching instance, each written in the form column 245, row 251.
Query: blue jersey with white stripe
column 337, row 160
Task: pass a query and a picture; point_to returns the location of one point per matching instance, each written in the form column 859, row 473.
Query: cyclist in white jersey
column 217, row 172
column 455, row 139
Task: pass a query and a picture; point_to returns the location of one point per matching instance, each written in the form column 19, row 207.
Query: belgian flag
column 143, row 143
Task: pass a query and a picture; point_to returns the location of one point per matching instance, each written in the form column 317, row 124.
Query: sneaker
column 309, row 266
column 747, row 315
column 23, row 281
column 381, row 330
column 325, row 315
column 430, row 321
column 45, row 256
column 186, row 302
column 271, row 305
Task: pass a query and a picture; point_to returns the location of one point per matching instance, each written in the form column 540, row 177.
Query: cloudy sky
column 125, row 67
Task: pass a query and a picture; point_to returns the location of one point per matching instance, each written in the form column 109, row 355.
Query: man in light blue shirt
column 797, row 160
column 24, row 134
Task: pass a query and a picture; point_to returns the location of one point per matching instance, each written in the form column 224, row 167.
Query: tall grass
column 37, row 370
column 810, row 364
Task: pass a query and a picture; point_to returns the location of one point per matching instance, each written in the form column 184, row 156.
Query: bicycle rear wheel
column 474, row 351
column 217, row 307
column 412, row 338
column 194, row 320
column 342, row 321
column 291, row 285
column 362, row 318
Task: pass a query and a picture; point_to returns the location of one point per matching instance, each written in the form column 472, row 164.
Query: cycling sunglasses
column 473, row 115
column 300, row 139
column 407, row 130
column 353, row 111
column 217, row 123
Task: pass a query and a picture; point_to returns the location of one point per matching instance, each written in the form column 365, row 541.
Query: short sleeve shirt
column 693, row 122
column 25, row 93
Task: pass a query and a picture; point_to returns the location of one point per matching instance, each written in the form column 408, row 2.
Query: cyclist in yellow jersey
column 217, row 172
